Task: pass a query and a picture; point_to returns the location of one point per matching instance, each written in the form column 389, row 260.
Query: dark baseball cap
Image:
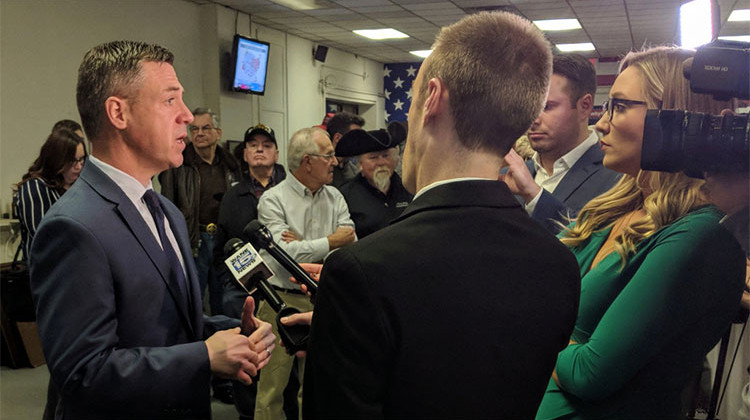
column 260, row 129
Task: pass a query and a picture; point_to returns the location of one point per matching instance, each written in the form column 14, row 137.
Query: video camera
column 694, row 142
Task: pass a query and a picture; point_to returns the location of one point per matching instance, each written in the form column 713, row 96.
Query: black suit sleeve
column 350, row 346
column 552, row 213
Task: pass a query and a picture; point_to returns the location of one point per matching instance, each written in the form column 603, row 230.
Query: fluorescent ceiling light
column 695, row 23
column 743, row 38
column 583, row 46
column 300, row 4
column 386, row 33
column 739, row 15
column 557, row 24
column 421, row 53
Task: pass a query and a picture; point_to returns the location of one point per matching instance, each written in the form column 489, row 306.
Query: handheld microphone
column 251, row 273
column 261, row 237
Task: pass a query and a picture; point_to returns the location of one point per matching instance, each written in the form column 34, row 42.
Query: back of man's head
column 341, row 123
column 112, row 69
column 579, row 72
column 496, row 66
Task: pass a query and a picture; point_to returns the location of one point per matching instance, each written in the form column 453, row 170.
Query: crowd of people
column 462, row 280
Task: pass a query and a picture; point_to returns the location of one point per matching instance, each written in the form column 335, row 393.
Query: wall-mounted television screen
column 250, row 65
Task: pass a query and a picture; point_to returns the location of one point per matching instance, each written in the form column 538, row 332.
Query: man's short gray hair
column 302, row 143
column 203, row 111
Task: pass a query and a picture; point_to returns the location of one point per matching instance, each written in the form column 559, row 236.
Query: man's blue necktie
column 175, row 268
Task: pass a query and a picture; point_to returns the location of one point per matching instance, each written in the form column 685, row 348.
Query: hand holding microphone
column 261, row 238
column 313, row 270
column 251, row 273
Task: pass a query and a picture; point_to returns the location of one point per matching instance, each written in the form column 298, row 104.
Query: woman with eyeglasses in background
column 660, row 278
column 59, row 163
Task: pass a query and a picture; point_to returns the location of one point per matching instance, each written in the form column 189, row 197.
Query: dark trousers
column 207, row 274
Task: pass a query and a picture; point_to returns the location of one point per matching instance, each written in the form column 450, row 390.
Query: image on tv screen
column 250, row 66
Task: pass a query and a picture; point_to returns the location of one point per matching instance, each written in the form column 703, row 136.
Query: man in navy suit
column 458, row 308
column 112, row 273
column 566, row 171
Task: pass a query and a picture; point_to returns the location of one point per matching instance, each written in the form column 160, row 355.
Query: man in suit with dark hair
column 112, row 273
column 566, row 171
column 458, row 308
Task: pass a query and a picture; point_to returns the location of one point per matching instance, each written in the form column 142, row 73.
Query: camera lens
column 694, row 142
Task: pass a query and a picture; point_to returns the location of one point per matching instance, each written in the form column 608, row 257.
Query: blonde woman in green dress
column 661, row 279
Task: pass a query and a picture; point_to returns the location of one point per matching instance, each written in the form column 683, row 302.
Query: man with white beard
column 376, row 195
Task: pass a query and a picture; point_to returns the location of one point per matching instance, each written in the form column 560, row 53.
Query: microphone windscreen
column 251, row 232
column 232, row 246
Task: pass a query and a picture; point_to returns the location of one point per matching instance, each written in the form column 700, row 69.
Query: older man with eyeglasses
column 308, row 218
column 196, row 188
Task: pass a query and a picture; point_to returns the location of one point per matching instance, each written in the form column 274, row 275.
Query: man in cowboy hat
column 376, row 195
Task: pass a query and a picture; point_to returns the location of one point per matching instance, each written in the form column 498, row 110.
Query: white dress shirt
column 559, row 169
column 134, row 190
column 312, row 217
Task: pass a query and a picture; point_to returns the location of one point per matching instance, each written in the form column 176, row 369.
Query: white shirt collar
column 446, row 181
column 129, row 185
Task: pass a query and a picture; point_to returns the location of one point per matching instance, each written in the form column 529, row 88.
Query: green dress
column 643, row 331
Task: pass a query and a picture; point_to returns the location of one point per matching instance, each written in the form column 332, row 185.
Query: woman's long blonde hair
column 670, row 195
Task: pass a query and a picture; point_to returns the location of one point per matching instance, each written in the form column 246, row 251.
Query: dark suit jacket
column 119, row 339
column 584, row 181
column 456, row 310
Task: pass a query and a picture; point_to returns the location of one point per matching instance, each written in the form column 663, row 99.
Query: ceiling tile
column 605, row 22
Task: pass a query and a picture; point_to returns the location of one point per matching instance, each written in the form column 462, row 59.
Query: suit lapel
column 109, row 190
column 532, row 167
column 584, row 167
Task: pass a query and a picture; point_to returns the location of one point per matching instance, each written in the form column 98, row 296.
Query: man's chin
column 176, row 163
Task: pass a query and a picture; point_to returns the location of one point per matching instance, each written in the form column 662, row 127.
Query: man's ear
column 335, row 139
column 586, row 104
column 307, row 161
column 117, row 112
column 218, row 130
column 437, row 99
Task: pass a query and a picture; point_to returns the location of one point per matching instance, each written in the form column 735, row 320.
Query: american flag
column 397, row 80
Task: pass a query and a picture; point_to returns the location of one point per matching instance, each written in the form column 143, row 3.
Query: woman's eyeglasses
column 617, row 105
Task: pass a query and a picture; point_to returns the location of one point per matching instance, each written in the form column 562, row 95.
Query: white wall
column 41, row 46
column 42, row 43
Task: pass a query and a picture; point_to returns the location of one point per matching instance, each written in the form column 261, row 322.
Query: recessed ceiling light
column 557, row 24
column 582, row 46
column 301, row 4
column 421, row 53
column 743, row 38
column 386, row 33
column 739, row 15
column 695, row 23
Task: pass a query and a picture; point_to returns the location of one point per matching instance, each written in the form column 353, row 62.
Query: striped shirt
column 33, row 200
